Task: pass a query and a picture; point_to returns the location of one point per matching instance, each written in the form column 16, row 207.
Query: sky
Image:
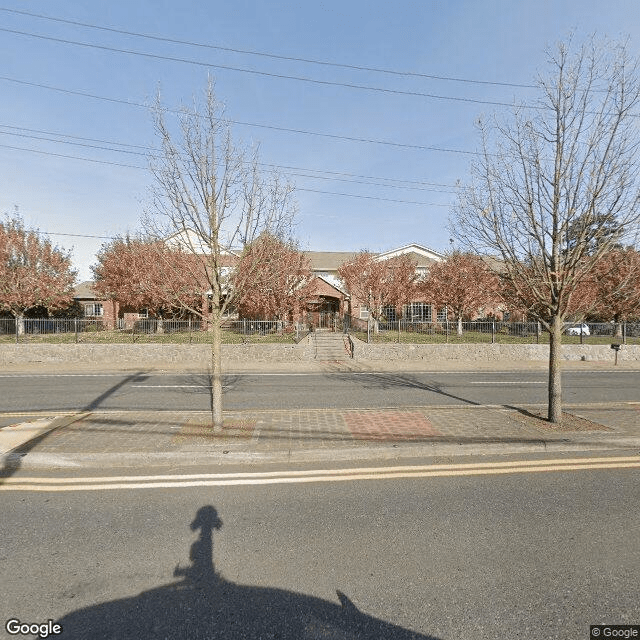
column 374, row 122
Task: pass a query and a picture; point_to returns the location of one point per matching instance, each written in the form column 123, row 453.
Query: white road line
column 308, row 476
column 501, row 382
column 64, row 375
column 170, row 386
column 306, row 373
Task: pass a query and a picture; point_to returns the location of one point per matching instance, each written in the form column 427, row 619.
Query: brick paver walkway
column 389, row 425
column 282, row 431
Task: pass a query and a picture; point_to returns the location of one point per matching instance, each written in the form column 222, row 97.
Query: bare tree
column 210, row 199
column 551, row 182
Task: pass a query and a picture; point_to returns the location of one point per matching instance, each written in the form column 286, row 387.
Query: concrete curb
column 228, row 457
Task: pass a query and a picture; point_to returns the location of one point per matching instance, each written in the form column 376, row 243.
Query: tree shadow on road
column 386, row 381
column 11, row 461
column 206, row 605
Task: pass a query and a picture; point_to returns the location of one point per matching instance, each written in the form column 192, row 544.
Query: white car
column 578, row 329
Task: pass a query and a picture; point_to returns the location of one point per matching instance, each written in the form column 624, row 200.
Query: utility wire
column 148, row 155
column 76, row 235
column 69, row 135
column 332, row 136
column 130, row 166
column 265, row 54
column 267, row 74
column 352, row 195
column 76, row 144
column 62, row 155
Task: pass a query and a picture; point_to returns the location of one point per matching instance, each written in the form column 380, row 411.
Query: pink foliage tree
column 272, row 279
column 379, row 283
column 463, row 283
column 33, row 272
column 615, row 286
column 148, row 275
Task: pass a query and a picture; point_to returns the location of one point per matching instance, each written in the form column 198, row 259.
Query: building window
column 389, row 313
column 417, row 312
column 143, row 313
column 442, row 315
column 93, row 309
column 364, row 313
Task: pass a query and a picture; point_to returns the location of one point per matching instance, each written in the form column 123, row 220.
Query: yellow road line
column 320, row 472
column 325, row 475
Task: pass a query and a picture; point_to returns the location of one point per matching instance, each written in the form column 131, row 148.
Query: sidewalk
column 119, row 439
column 125, row 439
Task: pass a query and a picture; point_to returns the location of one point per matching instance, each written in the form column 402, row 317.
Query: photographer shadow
column 206, row 606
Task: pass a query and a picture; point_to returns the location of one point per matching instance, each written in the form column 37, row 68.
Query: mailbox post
column 616, row 348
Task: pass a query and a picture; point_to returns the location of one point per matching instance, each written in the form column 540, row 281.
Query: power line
column 69, row 135
column 357, row 175
column 332, row 83
column 366, row 182
column 332, row 136
column 146, row 155
column 352, row 195
column 62, row 155
column 77, row 144
column 76, row 235
column 270, row 55
column 118, row 164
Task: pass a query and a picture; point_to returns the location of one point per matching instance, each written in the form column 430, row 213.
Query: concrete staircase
column 330, row 346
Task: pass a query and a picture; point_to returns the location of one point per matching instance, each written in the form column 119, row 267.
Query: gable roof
column 423, row 256
column 334, row 282
column 84, row 290
column 190, row 241
column 331, row 260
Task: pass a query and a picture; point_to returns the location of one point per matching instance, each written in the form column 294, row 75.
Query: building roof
column 328, row 260
column 84, row 291
column 188, row 240
column 334, row 282
column 331, row 260
column 422, row 256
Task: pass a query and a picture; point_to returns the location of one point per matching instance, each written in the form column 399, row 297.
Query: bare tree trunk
column 555, row 372
column 20, row 324
column 618, row 328
column 216, row 374
column 555, row 190
column 460, row 325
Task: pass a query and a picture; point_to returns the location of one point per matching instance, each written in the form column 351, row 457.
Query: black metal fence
column 94, row 330
column 492, row 332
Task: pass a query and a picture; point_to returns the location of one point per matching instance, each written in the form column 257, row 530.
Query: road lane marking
column 69, row 375
column 314, row 475
column 203, row 387
column 501, row 382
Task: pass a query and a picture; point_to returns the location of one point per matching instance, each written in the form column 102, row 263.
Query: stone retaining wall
column 200, row 354
column 132, row 354
column 490, row 352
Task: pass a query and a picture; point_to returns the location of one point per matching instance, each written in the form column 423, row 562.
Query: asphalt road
column 536, row 555
column 157, row 391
